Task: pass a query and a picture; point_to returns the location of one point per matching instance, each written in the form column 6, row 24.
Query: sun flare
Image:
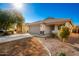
column 17, row 5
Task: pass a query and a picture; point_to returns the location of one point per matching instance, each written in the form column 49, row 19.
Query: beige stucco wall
column 45, row 28
column 55, row 29
column 42, row 27
column 35, row 29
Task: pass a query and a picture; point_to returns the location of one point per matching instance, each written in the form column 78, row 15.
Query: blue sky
column 39, row 11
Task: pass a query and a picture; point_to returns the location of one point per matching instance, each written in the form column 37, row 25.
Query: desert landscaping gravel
column 56, row 47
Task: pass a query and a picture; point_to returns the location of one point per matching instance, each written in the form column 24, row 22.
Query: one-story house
column 48, row 25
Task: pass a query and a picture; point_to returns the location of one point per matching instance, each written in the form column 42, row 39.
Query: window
column 52, row 27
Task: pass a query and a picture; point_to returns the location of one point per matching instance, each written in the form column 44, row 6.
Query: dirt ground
column 37, row 46
column 73, row 38
column 23, row 47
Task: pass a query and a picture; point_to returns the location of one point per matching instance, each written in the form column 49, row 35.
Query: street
column 14, row 37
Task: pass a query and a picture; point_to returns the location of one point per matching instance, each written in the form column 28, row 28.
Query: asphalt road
column 14, row 37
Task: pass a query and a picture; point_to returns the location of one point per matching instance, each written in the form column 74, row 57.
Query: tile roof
column 50, row 21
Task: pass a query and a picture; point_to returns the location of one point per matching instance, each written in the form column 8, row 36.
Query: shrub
column 62, row 54
column 64, row 33
column 8, row 33
column 78, row 30
column 53, row 35
column 74, row 30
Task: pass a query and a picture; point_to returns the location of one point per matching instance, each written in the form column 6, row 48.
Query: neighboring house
column 17, row 29
column 22, row 29
column 48, row 25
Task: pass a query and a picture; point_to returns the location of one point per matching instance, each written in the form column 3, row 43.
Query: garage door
column 34, row 29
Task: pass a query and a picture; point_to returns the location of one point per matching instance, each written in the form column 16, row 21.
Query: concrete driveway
column 14, row 37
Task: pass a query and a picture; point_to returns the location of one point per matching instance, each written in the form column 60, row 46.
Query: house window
column 52, row 27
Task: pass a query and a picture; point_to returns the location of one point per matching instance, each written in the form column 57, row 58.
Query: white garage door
column 35, row 29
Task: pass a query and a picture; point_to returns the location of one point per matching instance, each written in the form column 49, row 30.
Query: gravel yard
column 56, row 47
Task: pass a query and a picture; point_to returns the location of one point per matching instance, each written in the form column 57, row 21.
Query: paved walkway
column 14, row 37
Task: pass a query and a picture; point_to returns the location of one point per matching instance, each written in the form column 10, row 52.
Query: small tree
column 10, row 18
column 64, row 33
column 62, row 54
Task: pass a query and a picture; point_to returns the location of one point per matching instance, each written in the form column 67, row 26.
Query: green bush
column 8, row 33
column 53, row 35
column 64, row 33
column 62, row 54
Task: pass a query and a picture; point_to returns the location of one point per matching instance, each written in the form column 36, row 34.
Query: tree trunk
column 64, row 39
